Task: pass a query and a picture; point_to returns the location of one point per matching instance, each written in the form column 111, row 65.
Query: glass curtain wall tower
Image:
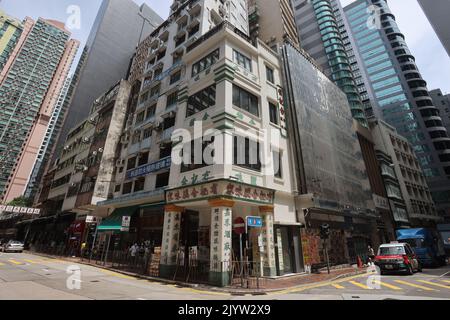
column 398, row 93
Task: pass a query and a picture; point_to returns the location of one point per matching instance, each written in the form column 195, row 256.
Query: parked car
column 426, row 243
column 12, row 246
column 397, row 257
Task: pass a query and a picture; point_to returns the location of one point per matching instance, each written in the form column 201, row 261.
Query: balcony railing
column 216, row 29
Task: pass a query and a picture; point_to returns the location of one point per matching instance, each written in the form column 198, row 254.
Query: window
column 155, row 91
column 148, row 133
column 205, row 63
column 140, row 117
column 245, row 100
column 168, row 123
column 151, row 111
column 192, row 165
column 162, row 180
column 172, row 99
column 273, row 112
column 131, row 164
column 127, row 187
column 175, row 77
column 201, row 100
column 269, row 75
column 117, row 188
column 277, row 163
column 246, row 153
column 165, row 151
column 143, row 159
column 139, row 185
column 242, row 60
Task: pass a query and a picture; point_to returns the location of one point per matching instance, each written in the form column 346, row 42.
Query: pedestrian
column 371, row 254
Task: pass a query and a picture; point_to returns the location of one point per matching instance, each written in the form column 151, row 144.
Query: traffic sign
column 255, row 222
column 239, row 225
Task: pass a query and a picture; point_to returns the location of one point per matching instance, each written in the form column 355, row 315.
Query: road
column 25, row 276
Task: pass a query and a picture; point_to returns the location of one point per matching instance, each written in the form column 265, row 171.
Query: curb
column 230, row 291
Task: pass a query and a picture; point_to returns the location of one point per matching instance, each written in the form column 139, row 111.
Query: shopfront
column 198, row 230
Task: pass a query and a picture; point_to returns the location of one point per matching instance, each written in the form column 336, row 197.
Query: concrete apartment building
column 82, row 175
column 272, row 22
column 397, row 91
column 320, row 36
column 10, row 31
column 412, row 185
column 32, row 80
column 203, row 68
column 437, row 13
column 117, row 30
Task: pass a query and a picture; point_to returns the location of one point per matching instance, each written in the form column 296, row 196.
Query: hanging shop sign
column 282, row 111
column 126, row 221
column 14, row 209
column 221, row 188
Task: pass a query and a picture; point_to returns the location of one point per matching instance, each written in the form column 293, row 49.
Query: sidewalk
column 267, row 285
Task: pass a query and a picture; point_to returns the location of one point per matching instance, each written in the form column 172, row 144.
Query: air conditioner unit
column 118, row 163
column 94, row 153
column 222, row 10
column 100, row 150
column 85, row 168
column 86, row 140
column 158, row 126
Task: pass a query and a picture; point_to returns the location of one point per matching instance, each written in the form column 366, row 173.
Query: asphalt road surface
column 24, row 276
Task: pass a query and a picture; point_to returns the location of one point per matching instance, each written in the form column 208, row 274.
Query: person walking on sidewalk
column 371, row 254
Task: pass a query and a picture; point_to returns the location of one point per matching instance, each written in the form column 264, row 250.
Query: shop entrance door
column 284, row 253
column 188, row 245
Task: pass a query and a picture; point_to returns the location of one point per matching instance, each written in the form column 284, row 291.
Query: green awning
column 114, row 221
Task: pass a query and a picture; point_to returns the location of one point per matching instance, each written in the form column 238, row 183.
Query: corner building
column 202, row 68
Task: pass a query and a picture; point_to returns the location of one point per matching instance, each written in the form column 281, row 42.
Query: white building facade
column 207, row 144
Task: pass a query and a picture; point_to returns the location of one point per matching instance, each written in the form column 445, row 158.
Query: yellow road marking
column 324, row 284
column 414, row 285
column 387, row 285
column 207, row 292
column 337, row 286
column 15, row 262
column 434, row 284
column 448, row 281
column 2, row 264
column 359, row 285
column 30, row 261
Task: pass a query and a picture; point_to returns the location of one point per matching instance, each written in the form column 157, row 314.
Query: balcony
column 166, row 135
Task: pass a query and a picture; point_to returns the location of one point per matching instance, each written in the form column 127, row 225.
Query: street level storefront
column 349, row 237
column 146, row 229
column 198, row 235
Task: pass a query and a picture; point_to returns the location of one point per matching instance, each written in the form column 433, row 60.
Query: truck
column 427, row 245
column 444, row 230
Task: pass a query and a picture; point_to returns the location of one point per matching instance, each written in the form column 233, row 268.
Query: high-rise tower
column 398, row 93
column 33, row 77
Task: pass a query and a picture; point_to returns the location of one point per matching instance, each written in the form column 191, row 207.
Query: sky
column 431, row 58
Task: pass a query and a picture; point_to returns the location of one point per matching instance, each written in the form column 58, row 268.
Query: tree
column 21, row 202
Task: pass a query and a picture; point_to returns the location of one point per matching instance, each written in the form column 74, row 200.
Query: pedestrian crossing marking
column 414, row 285
column 434, row 284
column 15, row 262
column 359, row 285
column 387, row 285
column 337, row 286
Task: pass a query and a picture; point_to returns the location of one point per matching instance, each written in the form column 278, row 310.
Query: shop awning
column 114, row 221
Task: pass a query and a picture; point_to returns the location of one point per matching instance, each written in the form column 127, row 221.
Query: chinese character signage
column 149, row 168
column 215, row 189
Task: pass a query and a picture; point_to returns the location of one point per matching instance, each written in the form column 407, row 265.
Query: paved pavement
column 26, row 276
